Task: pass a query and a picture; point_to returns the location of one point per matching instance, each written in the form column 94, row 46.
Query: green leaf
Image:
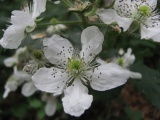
column 35, row 103
column 149, row 85
column 133, row 115
column 20, row 111
column 41, row 113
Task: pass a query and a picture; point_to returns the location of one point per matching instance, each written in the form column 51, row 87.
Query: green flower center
column 75, row 66
column 144, row 10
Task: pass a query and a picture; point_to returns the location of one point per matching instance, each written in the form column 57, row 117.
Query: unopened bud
column 116, row 29
column 80, row 6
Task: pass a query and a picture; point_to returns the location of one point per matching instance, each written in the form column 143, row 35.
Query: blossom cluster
column 61, row 68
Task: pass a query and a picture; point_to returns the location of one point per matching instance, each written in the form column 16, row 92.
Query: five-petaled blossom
column 22, row 22
column 134, row 14
column 75, row 70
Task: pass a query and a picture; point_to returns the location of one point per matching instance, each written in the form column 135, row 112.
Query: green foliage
column 149, row 85
column 35, row 103
column 146, row 52
column 133, row 115
column 20, row 111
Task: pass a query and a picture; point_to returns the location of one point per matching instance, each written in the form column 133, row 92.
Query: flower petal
column 57, row 50
column 52, row 80
column 28, row 89
column 124, row 8
column 12, row 37
column 150, row 3
column 50, row 107
column 22, row 19
column 76, row 99
column 108, row 76
column 9, row 62
column 135, row 75
column 156, row 38
column 91, row 39
column 149, row 32
column 39, row 6
column 109, row 16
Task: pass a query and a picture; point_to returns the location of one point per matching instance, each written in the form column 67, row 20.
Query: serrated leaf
column 149, row 85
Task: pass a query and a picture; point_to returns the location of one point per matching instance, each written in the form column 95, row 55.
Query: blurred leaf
column 145, row 43
column 107, row 95
column 149, row 85
column 35, row 103
column 133, row 115
column 19, row 111
column 59, row 105
column 41, row 113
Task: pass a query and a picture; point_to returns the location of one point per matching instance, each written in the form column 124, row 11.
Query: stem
column 98, row 24
column 62, row 22
column 67, row 2
column 73, row 23
column 84, row 21
column 94, row 9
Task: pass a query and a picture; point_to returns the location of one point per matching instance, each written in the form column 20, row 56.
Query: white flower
column 51, row 106
column 125, row 60
column 9, row 62
column 22, row 22
column 14, row 81
column 74, row 70
column 141, row 12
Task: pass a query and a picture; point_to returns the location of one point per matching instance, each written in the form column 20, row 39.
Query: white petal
column 156, row 38
column 52, row 80
column 76, row 99
column 12, row 37
column 11, row 85
column 22, row 76
column 150, row 3
column 6, row 92
column 108, row 76
column 22, row 19
column 20, row 50
column 50, row 107
column 109, row 16
column 57, row 2
column 9, row 62
column 57, row 49
column 100, row 61
column 91, row 39
column 149, row 32
column 28, row 89
column 135, row 75
column 124, row 8
column 39, row 6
